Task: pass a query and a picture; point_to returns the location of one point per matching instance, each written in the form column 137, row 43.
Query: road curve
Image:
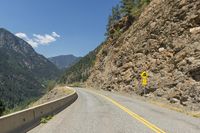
column 110, row 113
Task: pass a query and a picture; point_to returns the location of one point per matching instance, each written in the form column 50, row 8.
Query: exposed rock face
column 165, row 42
column 121, row 26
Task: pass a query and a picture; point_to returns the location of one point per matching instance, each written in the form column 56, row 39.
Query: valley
column 143, row 75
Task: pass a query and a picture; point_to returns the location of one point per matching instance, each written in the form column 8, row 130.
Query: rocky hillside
column 64, row 61
column 165, row 42
column 22, row 71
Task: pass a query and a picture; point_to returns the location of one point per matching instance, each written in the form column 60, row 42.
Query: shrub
column 2, row 107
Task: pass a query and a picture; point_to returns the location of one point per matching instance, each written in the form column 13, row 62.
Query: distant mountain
column 22, row 71
column 64, row 61
column 80, row 71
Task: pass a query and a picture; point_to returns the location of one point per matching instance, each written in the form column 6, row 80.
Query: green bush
column 51, row 84
column 22, row 105
column 2, row 107
column 46, row 119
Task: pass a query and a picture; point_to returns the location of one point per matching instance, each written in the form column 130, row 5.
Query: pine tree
column 131, row 7
column 113, row 18
column 108, row 25
column 116, row 13
column 143, row 2
column 127, row 6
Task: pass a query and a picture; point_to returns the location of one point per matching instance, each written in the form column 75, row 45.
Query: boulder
column 161, row 49
column 195, row 30
column 174, row 100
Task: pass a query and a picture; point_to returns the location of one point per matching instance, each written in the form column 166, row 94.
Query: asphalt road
column 112, row 113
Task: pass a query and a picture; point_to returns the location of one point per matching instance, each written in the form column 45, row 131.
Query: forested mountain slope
column 80, row 71
column 64, row 61
column 23, row 72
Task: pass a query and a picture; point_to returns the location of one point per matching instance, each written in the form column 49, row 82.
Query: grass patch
column 196, row 114
column 68, row 91
column 46, row 119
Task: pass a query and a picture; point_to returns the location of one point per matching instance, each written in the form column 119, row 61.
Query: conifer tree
column 127, row 6
column 113, row 18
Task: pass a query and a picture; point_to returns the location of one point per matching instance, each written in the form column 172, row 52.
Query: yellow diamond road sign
column 144, row 74
column 144, row 82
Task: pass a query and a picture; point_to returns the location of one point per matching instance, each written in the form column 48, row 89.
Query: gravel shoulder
column 161, row 102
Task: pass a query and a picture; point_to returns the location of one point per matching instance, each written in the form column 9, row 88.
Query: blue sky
column 57, row 27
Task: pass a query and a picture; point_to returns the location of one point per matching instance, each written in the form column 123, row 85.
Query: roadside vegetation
column 50, row 84
column 76, row 84
column 46, row 119
column 21, row 106
column 2, row 107
column 4, row 110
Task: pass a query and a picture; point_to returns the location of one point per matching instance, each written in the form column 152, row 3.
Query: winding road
column 105, row 112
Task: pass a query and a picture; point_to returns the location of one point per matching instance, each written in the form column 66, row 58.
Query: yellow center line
column 134, row 115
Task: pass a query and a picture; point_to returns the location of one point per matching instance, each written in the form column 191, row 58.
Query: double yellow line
column 134, row 115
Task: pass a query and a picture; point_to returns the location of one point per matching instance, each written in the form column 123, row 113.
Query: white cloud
column 44, row 39
column 38, row 39
column 54, row 34
column 32, row 43
column 21, row 35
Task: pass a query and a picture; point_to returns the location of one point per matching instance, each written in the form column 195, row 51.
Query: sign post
column 144, row 76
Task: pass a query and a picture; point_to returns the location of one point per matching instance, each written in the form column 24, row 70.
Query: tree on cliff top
column 131, row 7
column 113, row 18
column 127, row 6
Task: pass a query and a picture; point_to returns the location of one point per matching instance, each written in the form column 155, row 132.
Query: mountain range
column 23, row 72
column 64, row 61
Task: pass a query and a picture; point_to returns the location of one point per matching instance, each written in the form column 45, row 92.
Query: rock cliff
column 165, row 42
